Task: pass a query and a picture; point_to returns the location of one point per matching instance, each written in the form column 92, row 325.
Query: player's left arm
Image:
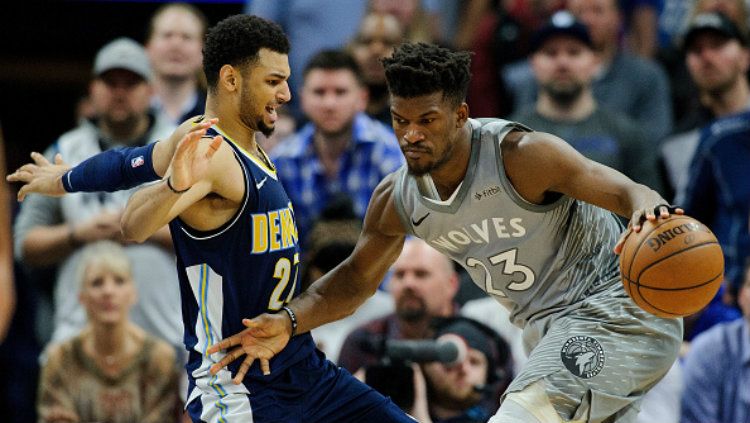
column 568, row 172
column 111, row 170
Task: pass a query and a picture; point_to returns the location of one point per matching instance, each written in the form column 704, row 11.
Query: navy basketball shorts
column 313, row 390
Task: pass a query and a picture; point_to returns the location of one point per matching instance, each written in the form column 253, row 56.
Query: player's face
column 107, row 293
column 332, row 98
column 421, row 283
column 454, row 385
column 377, row 37
column 120, row 97
column 175, row 45
column 563, row 67
column 715, row 62
column 426, row 128
column 264, row 90
column 601, row 17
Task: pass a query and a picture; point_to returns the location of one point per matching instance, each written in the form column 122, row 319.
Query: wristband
column 292, row 318
column 169, row 184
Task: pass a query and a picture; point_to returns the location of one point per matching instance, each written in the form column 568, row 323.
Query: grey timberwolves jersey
column 533, row 259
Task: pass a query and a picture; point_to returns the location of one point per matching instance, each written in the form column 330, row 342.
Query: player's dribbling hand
column 40, row 177
column 264, row 337
column 660, row 211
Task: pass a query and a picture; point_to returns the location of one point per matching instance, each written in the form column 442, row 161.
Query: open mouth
column 271, row 112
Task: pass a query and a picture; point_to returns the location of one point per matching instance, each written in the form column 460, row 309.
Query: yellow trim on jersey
column 270, row 170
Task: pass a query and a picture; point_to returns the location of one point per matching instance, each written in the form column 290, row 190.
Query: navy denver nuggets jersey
column 247, row 267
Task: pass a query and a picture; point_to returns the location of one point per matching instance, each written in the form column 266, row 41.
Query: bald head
column 424, row 282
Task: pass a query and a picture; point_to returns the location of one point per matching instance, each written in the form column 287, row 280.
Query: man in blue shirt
column 717, row 370
column 718, row 191
column 341, row 150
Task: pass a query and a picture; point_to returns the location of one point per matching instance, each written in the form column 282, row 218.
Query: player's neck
column 231, row 124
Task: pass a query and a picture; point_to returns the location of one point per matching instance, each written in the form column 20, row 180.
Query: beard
column 264, row 129
column 249, row 117
column 563, row 94
column 412, row 314
column 421, row 170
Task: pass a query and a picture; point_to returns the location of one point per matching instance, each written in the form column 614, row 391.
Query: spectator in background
column 412, row 16
column 718, row 189
column 564, row 65
column 690, row 112
column 467, row 391
column 51, row 231
column 312, row 25
column 174, row 44
column 624, row 82
column 7, row 291
column 112, row 371
column 717, row 370
column 495, row 39
column 641, row 26
column 423, row 285
column 341, row 149
column 376, row 37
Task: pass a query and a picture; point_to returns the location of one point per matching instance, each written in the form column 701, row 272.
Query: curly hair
column 422, row 69
column 236, row 41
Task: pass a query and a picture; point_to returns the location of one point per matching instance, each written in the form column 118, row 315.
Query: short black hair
column 423, row 69
column 237, row 40
column 333, row 60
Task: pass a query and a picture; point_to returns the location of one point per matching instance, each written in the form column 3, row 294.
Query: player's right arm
column 111, row 170
column 335, row 295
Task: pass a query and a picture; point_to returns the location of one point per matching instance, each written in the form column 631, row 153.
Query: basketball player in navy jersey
column 235, row 238
column 531, row 220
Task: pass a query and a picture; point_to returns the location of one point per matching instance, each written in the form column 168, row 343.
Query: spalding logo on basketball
column 673, row 267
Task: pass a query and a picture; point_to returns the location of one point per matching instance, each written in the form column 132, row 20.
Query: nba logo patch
column 137, row 162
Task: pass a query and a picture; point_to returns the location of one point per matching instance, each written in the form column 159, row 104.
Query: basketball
column 673, row 267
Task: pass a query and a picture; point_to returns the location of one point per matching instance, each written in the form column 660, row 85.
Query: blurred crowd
column 657, row 89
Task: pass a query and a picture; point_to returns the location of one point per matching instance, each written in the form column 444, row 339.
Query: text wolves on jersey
column 274, row 230
column 480, row 233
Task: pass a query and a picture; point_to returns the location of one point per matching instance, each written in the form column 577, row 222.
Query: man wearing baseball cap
column 564, row 65
column 51, row 231
column 718, row 188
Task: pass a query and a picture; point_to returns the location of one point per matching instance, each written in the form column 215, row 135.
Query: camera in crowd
column 452, row 338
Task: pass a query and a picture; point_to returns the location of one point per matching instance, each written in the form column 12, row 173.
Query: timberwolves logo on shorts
column 583, row 356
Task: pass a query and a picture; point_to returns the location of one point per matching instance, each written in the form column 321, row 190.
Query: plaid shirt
column 372, row 154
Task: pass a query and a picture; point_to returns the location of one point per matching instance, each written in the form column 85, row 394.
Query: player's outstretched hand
column 191, row 159
column 264, row 337
column 660, row 211
column 41, row 176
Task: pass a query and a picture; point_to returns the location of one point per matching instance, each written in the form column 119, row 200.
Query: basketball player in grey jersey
column 531, row 220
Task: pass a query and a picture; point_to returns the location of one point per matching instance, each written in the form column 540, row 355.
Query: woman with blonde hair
column 112, row 371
